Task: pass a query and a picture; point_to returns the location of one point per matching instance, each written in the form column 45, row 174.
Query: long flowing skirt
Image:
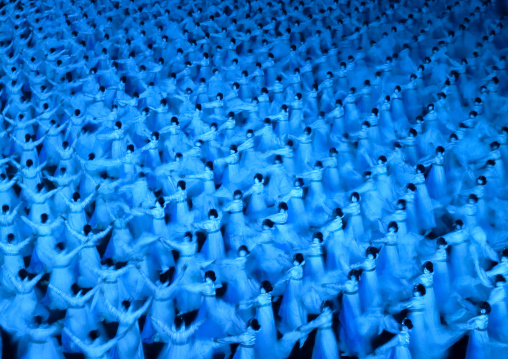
column 369, row 290
column 436, row 182
column 267, row 336
column 349, row 331
column 325, row 345
column 61, row 278
column 292, row 311
column 478, row 346
column 214, row 246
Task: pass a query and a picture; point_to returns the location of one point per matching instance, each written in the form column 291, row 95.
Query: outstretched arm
column 231, row 339
column 34, row 281
column 115, row 312
column 30, row 223
column 171, row 243
column 74, row 233
column 76, row 341
column 161, row 325
column 88, row 199
column 143, row 309
column 63, row 295
column 68, row 257
column 23, row 244
column 90, row 294
column 101, row 235
column 42, row 165
column 106, row 347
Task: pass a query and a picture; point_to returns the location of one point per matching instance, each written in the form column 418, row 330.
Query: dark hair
column 243, row 247
column 372, row 250
column 441, row 242
column 319, row 236
column 407, row 323
column 494, row 145
column 298, row 257
column 428, row 266
column 483, row 179
column 182, row 185
column 254, row 324
column 267, row 286
column 484, row 306
column 420, row 288
column 283, row 205
column 393, row 225
column 211, row 274
column 213, row 213
column 354, row 273
column 269, row 223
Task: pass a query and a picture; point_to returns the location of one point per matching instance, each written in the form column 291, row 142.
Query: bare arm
column 115, row 312
column 143, row 309
column 76, row 340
